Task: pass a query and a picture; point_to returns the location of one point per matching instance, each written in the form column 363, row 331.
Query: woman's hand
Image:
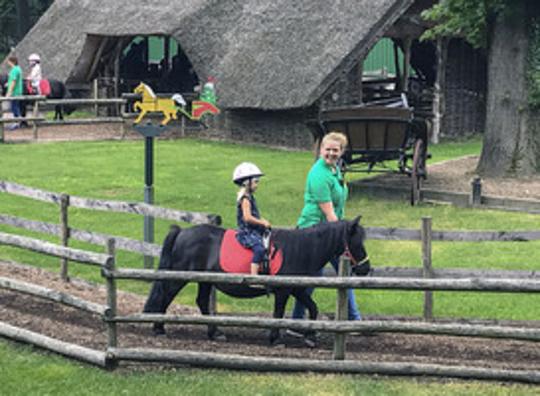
column 266, row 223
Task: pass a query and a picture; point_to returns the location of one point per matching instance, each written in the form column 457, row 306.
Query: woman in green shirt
column 14, row 86
column 324, row 200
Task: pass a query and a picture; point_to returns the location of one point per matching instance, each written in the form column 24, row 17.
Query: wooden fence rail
column 64, row 348
column 51, row 249
column 138, row 208
column 52, row 295
column 229, row 361
column 342, row 326
column 473, row 284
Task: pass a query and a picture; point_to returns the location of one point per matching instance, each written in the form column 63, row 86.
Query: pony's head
column 355, row 248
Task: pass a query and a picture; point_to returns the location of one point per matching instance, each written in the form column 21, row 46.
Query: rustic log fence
column 65, row 232
column 474, row 198
column 40, row 103
column 423, row 279
column 114, row 354
column 425, row 235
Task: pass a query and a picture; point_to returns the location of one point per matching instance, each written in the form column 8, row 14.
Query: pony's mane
column 323, row 226
column 313, row 229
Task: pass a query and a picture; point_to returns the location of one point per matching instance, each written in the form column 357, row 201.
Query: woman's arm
column 248, row 217
column 10, row 89
column 328, row 210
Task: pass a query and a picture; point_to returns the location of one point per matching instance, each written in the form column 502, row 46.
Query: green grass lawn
column 196, row 175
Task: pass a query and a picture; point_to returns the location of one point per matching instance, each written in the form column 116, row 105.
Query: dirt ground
column 456, row 175
column 70, row 325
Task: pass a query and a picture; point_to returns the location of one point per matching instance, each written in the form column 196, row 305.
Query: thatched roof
column 265, row 54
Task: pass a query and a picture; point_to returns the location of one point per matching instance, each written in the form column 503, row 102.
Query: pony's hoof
column 218, row 335
column 310, row 342
column 158, row 330
column 277, row 342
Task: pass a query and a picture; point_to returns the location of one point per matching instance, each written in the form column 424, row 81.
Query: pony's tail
column 166, row 251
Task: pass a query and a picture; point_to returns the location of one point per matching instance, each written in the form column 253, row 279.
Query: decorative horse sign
column 150, row 103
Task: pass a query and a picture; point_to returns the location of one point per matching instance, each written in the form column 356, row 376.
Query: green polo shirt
column 322, row 185
column 15, row 74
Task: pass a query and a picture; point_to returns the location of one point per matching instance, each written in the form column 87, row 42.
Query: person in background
column 34, row 76
column 14, row 87
column 251, row 226
column 324, row 200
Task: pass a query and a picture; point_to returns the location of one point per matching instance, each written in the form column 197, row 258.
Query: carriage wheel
column 418, row 169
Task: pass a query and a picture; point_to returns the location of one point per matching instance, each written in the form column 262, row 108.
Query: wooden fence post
column 476, row 191
column 111, row 295
column 96, row 96
column 64, row 234
column 341, row 310
column 427, row 271
column 35, row 113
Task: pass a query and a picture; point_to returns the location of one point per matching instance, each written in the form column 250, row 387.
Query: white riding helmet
column 34, row 58
column 244, row 171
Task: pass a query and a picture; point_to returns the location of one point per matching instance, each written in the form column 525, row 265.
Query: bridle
column 347, row 253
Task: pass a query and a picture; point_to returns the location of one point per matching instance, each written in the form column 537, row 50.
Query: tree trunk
column 511, row 139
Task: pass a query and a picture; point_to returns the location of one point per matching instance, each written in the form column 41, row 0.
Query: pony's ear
column 353, row 224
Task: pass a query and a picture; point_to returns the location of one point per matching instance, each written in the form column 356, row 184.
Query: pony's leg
column 305, row 298
column 203, row 302
column 161, row 296
column 280, row 302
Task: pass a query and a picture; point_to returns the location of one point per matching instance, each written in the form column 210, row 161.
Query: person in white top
column 35, row 72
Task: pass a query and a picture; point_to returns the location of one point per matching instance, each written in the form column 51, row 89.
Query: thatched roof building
column 276, row 62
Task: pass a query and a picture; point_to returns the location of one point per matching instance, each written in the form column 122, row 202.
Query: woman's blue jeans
column 353, row 312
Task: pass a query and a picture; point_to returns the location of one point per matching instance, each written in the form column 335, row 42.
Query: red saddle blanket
column 44, row 87
column 235, row 258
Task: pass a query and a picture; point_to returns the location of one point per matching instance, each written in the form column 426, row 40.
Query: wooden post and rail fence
column 115, row 354
column 423, row 279
column 39, row 103
column 425, row 235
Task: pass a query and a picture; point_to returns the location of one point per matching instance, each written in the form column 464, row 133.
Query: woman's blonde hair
column 335, row 137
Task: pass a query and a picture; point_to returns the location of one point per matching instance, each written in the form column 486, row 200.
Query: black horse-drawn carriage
column 377, row 134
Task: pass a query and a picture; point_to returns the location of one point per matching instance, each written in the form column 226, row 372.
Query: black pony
column 58, row 91
column 304, row 251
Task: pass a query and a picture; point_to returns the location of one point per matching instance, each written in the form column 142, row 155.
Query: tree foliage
column 471, row 20
column 10, row 33
column 465, row 18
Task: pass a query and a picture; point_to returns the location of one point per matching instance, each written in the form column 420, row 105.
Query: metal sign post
column 149, row 131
